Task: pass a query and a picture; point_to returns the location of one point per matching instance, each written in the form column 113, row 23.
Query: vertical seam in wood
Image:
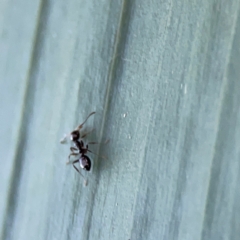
column 119, row 45
column 222, row 97
column 27, row 106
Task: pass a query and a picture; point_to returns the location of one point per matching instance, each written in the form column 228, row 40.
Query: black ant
column 80, row 149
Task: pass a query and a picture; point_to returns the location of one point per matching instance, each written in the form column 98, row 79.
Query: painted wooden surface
column 164, row 78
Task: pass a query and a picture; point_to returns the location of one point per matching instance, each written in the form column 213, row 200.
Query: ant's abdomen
column 85, row 163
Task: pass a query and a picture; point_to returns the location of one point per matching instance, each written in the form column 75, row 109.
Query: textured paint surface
column 164, row 78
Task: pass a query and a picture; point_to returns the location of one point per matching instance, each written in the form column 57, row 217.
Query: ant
column 80, row 149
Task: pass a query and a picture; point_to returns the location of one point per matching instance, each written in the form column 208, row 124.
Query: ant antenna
column 81, row 125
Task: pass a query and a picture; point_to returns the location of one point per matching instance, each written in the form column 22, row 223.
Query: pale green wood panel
column 163, row 77
column 18, row 24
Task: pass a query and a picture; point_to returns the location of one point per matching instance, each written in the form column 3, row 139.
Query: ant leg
column 81, row 125
column 95, row 153
column 94, row 143
column 72, row 154
column 73, row 149
column 69, row 156
column 76, row 167
column 85, row 181
column 107, row 141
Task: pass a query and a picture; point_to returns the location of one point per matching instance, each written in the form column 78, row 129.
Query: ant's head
column 74, row 136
